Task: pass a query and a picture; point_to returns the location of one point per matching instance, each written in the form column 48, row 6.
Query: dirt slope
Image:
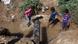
column 21, row 25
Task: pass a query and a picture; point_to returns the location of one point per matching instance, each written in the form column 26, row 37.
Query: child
column 66, row 19
column 53, row 16
column 28, row 13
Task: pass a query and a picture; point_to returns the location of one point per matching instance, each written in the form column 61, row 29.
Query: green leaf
column 72, row 5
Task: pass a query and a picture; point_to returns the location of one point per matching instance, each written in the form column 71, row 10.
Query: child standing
column 66, row 19
column 28, row 14
column 53, row 15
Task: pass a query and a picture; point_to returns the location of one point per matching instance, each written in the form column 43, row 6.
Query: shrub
column 72, row 5
column 34, row 3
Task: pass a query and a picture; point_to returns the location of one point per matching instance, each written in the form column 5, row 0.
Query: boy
column 66, row 19
column 28, row 13
column 53, row 16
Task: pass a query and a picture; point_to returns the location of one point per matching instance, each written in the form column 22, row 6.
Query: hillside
column 49, row 34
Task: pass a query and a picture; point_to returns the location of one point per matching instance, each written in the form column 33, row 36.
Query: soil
column 20, row 25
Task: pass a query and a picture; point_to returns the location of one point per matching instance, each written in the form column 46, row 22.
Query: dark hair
column 52, row 9
column 66, row 11
column 28, row 7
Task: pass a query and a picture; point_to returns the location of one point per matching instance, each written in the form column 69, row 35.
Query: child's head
column 28, row 7
column 66, row 11
column 52, row 9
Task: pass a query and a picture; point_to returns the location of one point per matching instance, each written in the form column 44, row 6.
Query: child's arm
column 69, row 21
column 59, row 17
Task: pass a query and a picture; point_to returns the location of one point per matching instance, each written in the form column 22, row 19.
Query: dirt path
column 21, row 25
column 53, row 32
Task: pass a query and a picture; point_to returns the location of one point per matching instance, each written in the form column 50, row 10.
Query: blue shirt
column 53, row 15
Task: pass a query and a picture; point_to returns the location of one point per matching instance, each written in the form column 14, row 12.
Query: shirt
column 28, row 12
column 66, row 17
column 53, row 15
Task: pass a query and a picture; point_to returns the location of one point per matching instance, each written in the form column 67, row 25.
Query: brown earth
column 20, row 25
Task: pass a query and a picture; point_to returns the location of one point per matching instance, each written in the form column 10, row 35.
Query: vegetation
column 34, row 3
column 72, row 5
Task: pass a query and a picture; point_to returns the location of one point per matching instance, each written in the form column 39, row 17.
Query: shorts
column 64, row 24
column 52, row 20
column 29, row 17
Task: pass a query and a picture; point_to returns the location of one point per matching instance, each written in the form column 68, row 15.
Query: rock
column 6, row 2
column 68, row 37
column 24, row 41
column 44, row 8
column 4, row 40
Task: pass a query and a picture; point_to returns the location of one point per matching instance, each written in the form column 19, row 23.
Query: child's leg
column 50, row 20
column 68, row 25
column 29, row 18
column 49, row 23
column 53, row 21
column 25, row 17
column 29, row 23
column 64, row 25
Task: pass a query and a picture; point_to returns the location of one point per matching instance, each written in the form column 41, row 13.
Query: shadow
column 13, row 41
column 30, row 34
column 0, row 0
column 53, row 23
column 5, row 32
column 18, row 35
column 67, row 28
column 66, row 0
column 44, row 36
column 56, row 21
column 33, row 41
column 37, row 18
